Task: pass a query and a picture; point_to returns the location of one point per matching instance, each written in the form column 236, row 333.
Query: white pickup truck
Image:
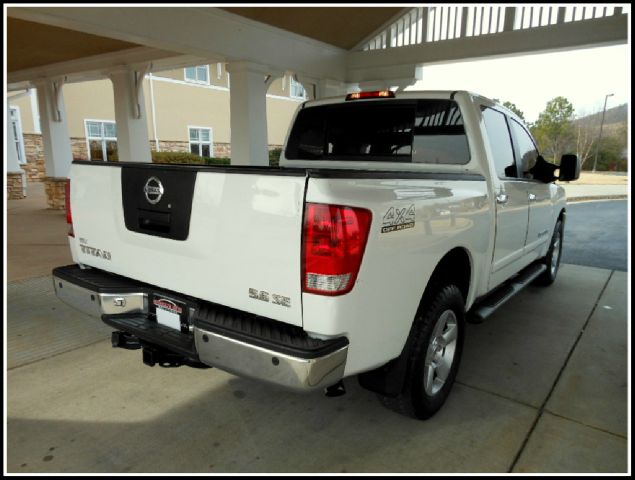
column 392, row 219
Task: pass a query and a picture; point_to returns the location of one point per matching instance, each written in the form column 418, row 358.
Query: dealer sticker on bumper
column 168, row 312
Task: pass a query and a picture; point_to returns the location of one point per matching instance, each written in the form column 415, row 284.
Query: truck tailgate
column 227, row 235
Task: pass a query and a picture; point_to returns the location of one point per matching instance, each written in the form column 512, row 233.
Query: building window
column 102, row 140
column 198, row 74
column 297, row 90
column 201, row 141
column 16, row 125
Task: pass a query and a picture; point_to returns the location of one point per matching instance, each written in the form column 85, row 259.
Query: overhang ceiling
column 31, row 44
column 343, row 27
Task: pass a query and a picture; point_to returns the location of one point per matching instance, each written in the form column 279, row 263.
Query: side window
column 197, row 74
column 527, row 151
column 439, row 134
column 307, row 136
column 500, row 143
column 201, row 141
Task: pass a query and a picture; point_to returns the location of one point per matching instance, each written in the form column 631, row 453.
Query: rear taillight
column 69, row 216
column 334, row 242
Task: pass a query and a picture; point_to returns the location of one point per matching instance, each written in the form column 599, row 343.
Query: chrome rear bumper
column 97, row 304
column 247, row 360
column 300, row 372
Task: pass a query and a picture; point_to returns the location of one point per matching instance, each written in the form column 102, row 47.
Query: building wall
column 26, row 115
column 178, row 105
column 88, row 101
column 279, row 116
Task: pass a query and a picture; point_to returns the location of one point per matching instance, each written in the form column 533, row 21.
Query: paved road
column 596, row 235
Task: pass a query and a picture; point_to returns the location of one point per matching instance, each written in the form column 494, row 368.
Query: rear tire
column 434, row 355
column 552, row 259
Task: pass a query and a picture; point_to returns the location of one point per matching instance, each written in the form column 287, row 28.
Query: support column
column 58, row 153
column 16, row 178
column 133, row 142
column 248, row 111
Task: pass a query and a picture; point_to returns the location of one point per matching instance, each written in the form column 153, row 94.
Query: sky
column 584, row 77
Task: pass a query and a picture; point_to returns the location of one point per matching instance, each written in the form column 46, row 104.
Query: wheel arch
column 455, row 267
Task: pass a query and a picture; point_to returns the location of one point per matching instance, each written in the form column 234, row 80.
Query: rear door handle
column 502, row 198
column 532, row 197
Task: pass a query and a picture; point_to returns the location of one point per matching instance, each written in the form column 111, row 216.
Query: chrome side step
column 496, row 299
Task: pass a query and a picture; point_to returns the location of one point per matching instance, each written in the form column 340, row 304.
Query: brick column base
column 55, row 192
column 15, row 185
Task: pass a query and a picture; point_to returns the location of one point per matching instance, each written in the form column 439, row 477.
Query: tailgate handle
column 154, row 221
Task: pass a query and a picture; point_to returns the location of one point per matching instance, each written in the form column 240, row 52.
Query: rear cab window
column 401, row 131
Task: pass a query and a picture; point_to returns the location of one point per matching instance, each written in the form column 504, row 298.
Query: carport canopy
column 330, row 50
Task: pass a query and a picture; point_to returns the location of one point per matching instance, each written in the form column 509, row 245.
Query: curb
column 596, row 197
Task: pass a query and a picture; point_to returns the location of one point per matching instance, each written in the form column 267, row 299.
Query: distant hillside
column 617, row 114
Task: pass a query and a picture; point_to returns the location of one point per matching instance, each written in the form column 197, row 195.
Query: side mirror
column 543, row 170
column 569, row 168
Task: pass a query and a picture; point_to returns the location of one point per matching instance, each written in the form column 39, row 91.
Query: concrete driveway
column 542, row 388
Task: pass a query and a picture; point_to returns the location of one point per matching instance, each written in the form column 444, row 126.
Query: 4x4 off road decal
column 398, row 218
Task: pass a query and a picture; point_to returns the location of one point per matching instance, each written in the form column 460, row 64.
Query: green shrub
column 177, row 157
column 274, row 157
column 218, row 161
column 190, row 158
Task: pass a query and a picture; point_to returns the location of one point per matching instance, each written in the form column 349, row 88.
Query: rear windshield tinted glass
column 423, row 131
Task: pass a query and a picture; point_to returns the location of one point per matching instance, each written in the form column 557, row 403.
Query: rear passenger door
column 541, row 215
column 512, row 203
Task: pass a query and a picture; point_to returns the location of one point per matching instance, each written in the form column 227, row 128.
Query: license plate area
column 170, row 312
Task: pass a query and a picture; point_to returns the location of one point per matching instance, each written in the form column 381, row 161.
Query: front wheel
column 434, row 355
column 552, row 259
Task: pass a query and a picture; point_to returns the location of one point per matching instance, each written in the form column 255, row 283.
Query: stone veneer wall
column 170, row 146
column 35, row 167
column 34, row 151
column 220, row 149
column 15, row 186
column 55, row 192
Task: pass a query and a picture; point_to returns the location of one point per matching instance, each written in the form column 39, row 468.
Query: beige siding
column 26, row 114
column 279, row 116
column 88, row 100
column 276, row 87
column 214, row 78
column 176, row 74
column 180, row 105
column 179, row 74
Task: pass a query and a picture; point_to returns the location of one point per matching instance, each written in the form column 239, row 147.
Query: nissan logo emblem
column 153, row 190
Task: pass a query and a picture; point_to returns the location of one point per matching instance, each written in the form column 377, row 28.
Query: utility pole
column 597, row 147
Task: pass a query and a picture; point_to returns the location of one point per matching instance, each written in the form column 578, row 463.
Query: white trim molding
column 216, row 87
column 19, row 139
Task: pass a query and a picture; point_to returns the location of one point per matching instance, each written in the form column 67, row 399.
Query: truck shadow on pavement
column 95, row 409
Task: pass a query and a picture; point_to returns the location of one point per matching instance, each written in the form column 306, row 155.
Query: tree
column 512, row 107
column 586, row 137
column 612, row 150
column 554, row 129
